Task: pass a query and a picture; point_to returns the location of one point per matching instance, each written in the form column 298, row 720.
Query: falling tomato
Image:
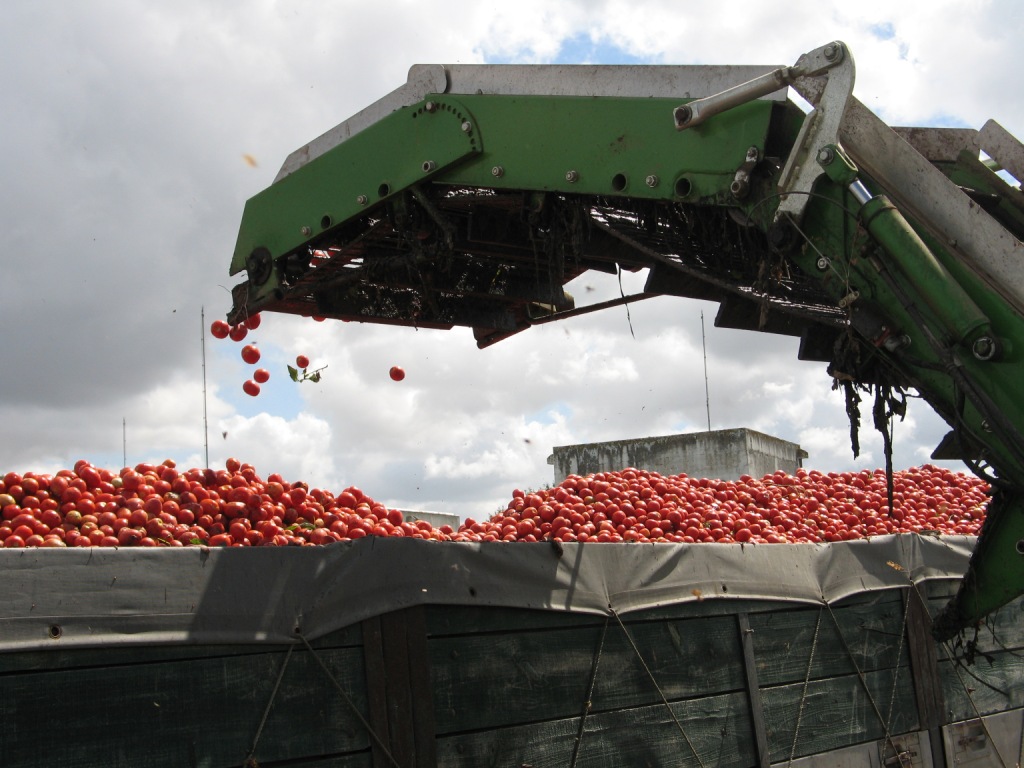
column 302, row 361
column 250, row 354
column 252, row 322
column 220, row 329
column 238, row 332
column 251, row 388
column 261, row 375
column 396, row 373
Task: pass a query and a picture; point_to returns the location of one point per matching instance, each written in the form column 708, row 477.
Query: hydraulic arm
column 473, row 194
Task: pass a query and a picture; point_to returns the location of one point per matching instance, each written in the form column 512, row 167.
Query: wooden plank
column 357, row 760
column 376, row 693
column 783, row 639
column 542, row 675
column 65, row 657
column 397, row 687
column 717, row 727
column 468, row 620
column 181, row 713
column 753, row 690
column 994, row 683
column 400, row 693
column 424, row 725
column 982, row 672
column 1002, row 629
column 691, row 657
column 924, row 666
column 445, row 620
column 838, row 712
column 501, row 679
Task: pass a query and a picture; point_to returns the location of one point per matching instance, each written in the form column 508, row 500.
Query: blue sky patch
column 582, row 49
column 547, row 415
column 883, row 31
column 279, row 396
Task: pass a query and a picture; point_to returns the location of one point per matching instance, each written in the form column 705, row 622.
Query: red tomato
column 252, row 322
column 302, row 361
column 219, row 329
column 396, row 373
column 251, row 388
column 238, row 332
column 250, row 354
column 261, row 375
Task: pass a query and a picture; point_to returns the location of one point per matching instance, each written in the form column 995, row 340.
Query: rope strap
column 590, row 695
column 974, row 704
column 664, row 700
column 250, row 759
column 803, row 694
column 863, row 679
column 369, row 729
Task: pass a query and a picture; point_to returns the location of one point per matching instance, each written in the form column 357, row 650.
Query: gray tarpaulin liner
column 97, row 596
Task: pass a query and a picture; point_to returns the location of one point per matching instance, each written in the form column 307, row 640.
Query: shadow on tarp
column 99, row 596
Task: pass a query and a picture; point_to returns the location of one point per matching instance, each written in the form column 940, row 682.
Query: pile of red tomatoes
column 160, row 505
column 810, row 507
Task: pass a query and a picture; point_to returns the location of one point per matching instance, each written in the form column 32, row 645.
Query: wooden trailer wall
column 711, row 682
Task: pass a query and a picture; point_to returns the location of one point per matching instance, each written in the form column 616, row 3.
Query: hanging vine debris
column 890, row 401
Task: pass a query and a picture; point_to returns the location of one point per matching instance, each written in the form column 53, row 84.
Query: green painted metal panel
column 916, row 304
column 618, row 147
column 407, row 147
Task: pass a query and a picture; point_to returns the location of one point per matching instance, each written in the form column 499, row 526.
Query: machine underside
column 498, row 262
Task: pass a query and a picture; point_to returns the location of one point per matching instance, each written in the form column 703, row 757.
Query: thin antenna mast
column 124, row 442
column 707, row 391
column 202, row 337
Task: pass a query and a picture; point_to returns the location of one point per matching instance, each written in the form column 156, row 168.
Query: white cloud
column 298, row 448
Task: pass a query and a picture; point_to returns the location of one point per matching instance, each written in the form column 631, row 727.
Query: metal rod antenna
column 202, row 337
column 707, row 391
column 124, row 442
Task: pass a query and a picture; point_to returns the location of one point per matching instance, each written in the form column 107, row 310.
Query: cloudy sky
column 126, row 131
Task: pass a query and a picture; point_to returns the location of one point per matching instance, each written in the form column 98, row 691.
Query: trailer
column 396, row 652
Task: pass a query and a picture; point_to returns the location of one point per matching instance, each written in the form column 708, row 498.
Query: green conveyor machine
column 471, row 195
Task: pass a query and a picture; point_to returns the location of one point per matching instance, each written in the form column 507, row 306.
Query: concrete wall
column 436, row 519
column 724, row 454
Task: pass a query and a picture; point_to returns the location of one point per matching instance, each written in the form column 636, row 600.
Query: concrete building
column 723, row 454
